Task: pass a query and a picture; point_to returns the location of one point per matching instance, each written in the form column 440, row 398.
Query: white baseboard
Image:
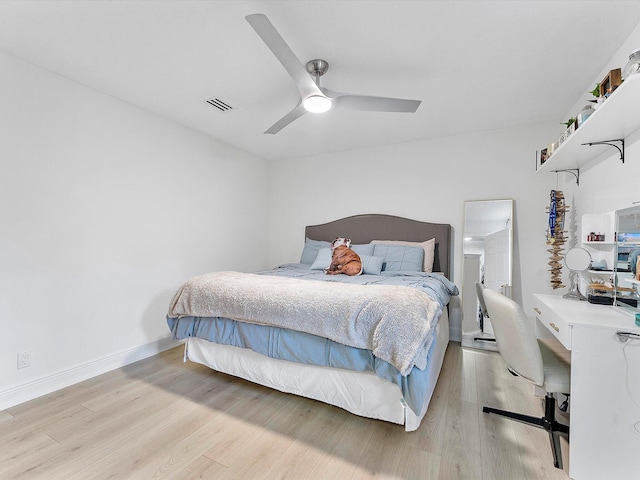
column 455, row 334
column 51, row 383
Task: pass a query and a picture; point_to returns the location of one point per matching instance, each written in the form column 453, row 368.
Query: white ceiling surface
column 476, row 65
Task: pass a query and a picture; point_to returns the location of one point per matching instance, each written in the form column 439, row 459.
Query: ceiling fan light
column 317, row 104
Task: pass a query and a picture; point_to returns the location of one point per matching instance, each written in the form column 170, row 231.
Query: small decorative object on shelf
column 556, row 237
column 563, row 138
column 629, row 237
column 596, row 93
column 546, row 152
column 633, row 66
column 572, row 125
column 595, row 237
column 584, row 114
column 570, row 122
column 609, row 83
column 543, row 156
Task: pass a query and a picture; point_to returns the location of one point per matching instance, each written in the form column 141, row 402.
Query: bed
column 265, row 327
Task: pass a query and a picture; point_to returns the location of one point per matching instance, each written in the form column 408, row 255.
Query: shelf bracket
column 611, row 144
column 573, row 171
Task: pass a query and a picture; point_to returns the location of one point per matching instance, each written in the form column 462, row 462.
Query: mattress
column 362, row 393
column 299, row 347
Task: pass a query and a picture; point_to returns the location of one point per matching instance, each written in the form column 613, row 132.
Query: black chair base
column 548, row 423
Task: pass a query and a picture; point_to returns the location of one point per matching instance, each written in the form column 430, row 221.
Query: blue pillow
column 365, row 249
column 399, row 258
column 323, row 259
column 310, row 251
column 312, row 247
column 371, row 265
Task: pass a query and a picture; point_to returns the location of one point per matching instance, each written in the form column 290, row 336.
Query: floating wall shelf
column 613, row 121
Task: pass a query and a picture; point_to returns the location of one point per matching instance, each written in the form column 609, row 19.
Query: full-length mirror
column 627, row 266
column 487, row 248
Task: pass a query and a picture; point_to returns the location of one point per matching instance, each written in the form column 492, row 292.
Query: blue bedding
column 436, row 285
column 300, row 347
column 284, row 344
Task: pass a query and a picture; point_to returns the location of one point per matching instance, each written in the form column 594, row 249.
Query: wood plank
column 463, row 384
column 461, row 456
column 202, row 468
column 383, row 453
column 500, row 458
column 173, row 457
column 342, row 450
column 304, row 454
column 162, row 418
column 260, row 449
column 5, row 416
column 416, row 463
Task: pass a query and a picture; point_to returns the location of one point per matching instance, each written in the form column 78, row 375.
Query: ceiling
column 476, row 65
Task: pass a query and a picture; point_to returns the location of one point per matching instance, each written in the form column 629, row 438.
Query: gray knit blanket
column 394, row 322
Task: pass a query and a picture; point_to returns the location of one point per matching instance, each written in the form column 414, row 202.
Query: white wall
column 425, row 180
column 105, row 210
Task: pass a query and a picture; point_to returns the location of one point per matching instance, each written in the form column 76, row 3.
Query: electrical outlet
column 24, row 359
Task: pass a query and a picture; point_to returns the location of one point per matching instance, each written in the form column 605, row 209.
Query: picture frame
column 610, row 82
column 542, row 156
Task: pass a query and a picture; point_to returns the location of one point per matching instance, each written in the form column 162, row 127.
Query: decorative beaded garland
column 556, row 237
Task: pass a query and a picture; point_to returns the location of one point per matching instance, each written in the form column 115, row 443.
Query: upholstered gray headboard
column 364, row 228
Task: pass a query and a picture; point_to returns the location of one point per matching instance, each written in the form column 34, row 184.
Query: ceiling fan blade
column 367, row 103
column 270, row 36
column 294, row 114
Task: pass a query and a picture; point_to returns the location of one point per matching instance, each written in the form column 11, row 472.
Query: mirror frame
column 472, row 334
column 623, row 298
column 571, row 257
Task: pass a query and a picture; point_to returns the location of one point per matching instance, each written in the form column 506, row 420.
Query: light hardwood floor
column 162, row 418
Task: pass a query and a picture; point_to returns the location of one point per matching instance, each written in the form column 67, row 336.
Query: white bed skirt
column 361, row 393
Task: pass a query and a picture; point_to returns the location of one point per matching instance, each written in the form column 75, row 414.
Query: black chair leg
column 553, row 428
column 548, row 423
column 554, row 438
column 519, row 417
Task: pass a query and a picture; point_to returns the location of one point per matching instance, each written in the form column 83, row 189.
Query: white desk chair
column 530, row 359
column 483, row 307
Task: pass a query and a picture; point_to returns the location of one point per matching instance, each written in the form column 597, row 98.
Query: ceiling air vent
column 219, row 104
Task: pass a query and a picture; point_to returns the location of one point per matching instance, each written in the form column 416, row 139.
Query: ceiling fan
column 313, row 97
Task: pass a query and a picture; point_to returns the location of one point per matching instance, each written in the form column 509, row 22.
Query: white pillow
column 428, row 246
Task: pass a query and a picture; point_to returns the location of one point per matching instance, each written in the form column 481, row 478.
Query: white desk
column 605, row 386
